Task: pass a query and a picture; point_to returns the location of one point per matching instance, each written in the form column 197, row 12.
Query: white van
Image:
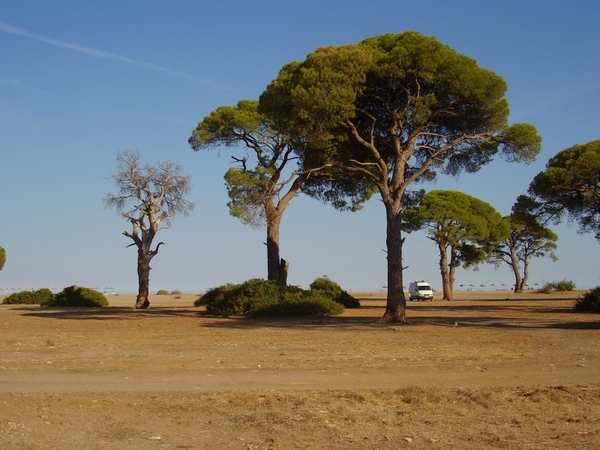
column 420, row 290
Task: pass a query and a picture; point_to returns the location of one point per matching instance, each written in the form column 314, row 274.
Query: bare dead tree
column 148, row 196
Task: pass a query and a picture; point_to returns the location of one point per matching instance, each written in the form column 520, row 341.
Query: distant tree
column 393, row 110
column 528, row 238
column 464, row 228
column 148, row 196
column 2, row 257
column 260, row 195
column 571, row 185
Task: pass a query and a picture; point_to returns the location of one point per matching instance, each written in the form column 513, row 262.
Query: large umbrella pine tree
column 393, row 110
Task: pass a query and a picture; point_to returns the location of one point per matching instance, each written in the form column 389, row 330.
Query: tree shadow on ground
column 486, row 314
column 108, row 313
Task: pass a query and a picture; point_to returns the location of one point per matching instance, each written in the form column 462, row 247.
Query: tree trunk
column 277, row 267
column 283, row 272
column 445, row 273
column 518, row 282
column 514, row 264
column 143, row 270
column 452, row 272
column 395, row 311
column 525, row 275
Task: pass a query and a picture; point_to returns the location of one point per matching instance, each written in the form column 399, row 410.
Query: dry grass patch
column 433, row 418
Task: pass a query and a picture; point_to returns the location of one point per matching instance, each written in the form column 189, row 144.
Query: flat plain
column 487, row 370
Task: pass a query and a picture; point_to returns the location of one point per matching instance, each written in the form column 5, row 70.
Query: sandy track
column 480, row 372
column 478, row 340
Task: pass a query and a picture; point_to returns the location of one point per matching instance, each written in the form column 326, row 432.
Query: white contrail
column 7, row 28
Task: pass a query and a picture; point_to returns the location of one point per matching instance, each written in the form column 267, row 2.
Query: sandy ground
column 66, row 374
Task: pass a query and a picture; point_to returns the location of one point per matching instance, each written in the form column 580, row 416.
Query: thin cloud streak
column 18, row 84
column 7, row 28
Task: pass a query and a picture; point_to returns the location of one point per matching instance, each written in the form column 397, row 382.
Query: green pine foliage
column 29, row 297
column 570, row 186
column 258, row 297
column 77, row 297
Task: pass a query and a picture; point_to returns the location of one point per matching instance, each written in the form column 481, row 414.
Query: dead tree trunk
column 145, row 255
column 143, row 270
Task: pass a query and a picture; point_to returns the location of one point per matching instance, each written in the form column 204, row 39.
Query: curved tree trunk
column 514, row 264
column 395, row 310
column 518, row 288
column 525, row 275
column 277, row 267
column 445, row 273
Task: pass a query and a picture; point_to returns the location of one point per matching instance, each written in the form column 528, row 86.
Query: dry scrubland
column 489, row 370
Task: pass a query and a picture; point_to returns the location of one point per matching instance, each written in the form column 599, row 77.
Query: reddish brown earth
column 488, row 370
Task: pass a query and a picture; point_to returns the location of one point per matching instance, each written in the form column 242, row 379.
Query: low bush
column 29, row 297
column 259, row 297
column 76, row 296
column 590, row 301
column 302, row 305
column 564, row 286
column 246, row 299
column 165, row 292
column 214, row 295
column 332, row 290
column 557, row 286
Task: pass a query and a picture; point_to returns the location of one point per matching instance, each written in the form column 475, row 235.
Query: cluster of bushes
column 265, row 298
column 557, row 286
column 165, row 292
column 72, row 296
column 29, row 297
column 590, row 301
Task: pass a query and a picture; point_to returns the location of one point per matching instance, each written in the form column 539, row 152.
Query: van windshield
column 424, row 287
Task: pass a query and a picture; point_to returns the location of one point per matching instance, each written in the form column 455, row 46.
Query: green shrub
column 162, row 292
column 214, row 294
column 546, row 289
column 332, row 290
column 590, row 301
column 557, row 286
column 564, row 286
column 76, row 296
column 259, row 297
column 246, row 298
column 306, row 304
column 29, row 297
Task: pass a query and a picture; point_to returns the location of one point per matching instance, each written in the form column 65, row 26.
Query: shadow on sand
column 489, row 314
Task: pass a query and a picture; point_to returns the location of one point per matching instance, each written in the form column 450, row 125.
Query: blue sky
column 80, row 81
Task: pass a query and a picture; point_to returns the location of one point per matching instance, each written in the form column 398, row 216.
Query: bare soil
column 488, row 370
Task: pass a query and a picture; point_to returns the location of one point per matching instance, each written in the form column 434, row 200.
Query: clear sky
column 81, row 80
